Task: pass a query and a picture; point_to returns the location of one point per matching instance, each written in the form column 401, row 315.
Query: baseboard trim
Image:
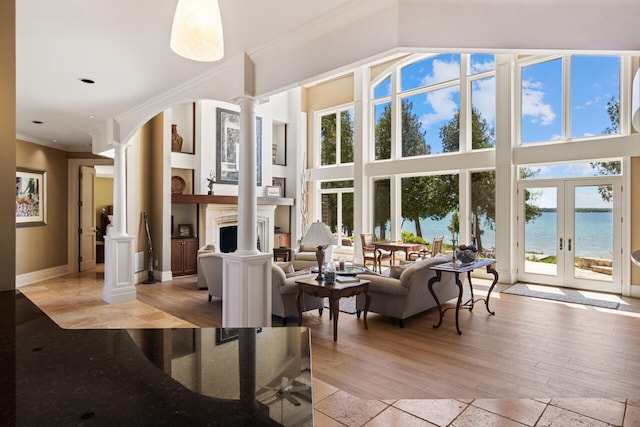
column 40, row 275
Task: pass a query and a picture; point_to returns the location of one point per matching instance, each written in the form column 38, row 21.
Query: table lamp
column 319, row 235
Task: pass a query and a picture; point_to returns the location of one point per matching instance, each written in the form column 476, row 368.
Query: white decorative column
column 119, row 281
column 246, row 273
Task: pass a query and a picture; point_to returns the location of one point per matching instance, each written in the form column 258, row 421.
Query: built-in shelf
column 227, row 200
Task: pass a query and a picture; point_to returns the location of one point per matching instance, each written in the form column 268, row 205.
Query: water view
column 594, row 233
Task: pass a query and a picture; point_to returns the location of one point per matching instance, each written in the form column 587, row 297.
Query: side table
column 282, row 254
column 457, row 268
column 334, row 292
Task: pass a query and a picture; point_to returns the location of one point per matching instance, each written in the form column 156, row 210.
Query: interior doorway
column 569, row 233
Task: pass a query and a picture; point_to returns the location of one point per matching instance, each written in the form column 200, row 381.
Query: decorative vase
column 176, row 139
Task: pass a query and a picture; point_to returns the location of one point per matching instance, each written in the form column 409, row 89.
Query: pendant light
column 197, row 30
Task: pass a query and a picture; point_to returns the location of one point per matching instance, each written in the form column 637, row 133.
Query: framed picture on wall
column 228, row 146
column 185, row 231
column 280, row 183
column 30, row 197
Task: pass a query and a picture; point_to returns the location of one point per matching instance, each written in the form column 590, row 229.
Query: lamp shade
column 318, row 234
column 197, row 30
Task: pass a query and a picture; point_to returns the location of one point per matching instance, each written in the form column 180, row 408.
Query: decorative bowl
column 466, row 256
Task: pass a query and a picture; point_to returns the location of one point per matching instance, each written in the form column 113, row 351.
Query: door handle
column 569, row 244
column 561, row 243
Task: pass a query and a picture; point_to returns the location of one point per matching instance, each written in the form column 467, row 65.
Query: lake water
column 594, row 233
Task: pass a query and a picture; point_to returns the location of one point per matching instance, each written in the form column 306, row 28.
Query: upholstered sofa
column 405, row 291
column 284, row 291
column 305, row 256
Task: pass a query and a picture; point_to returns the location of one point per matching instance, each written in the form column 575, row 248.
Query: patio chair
column 369, row 251
column 436, row 248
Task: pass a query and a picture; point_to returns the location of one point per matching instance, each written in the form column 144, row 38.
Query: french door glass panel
column 568, row 232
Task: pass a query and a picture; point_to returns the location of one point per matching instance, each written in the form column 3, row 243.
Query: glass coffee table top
column 349, row 270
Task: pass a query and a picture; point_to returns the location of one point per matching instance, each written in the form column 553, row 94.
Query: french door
column 569, row 233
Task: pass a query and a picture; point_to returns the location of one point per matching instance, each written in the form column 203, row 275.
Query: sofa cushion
column 396, row 270
column 306, row 256
column 304, row 248
column 287, row 267
column 384, row 285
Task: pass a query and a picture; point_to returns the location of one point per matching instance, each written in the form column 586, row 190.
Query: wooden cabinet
column 281, row 240
column 184, row 256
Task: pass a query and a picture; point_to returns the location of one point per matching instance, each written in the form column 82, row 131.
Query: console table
column 457, row 268
column 334, row 292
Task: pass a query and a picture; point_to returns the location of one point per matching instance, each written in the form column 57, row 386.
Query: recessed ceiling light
column 37, row 122
column 87, row 81
column 91, row 116
column 54, row 140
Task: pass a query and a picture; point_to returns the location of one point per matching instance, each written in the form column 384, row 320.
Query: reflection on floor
column 75, row 301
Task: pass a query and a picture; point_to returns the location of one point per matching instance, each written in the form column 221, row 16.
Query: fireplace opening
column 229, row 238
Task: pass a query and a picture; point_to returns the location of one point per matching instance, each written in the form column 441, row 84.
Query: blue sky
column 594, row 81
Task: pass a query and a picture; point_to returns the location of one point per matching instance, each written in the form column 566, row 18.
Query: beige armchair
column 210, row 266
column 202, row 283
column 284, row 292
column 405, row 291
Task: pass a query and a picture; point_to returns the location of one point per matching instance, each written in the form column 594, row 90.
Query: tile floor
column 334, row 408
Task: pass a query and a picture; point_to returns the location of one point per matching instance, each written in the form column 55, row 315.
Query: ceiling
column 123, row 46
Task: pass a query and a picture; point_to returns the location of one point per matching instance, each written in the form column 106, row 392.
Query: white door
column 87, row 230
column 569, row 233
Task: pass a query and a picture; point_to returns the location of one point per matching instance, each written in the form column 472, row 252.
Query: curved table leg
column 493, row 272
column 459, row 302
column 472, row 300
column 433, row 294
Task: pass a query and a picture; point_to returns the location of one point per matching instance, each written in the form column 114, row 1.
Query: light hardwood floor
column 529, row 349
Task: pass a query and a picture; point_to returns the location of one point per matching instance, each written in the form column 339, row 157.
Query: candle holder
column 453, row 247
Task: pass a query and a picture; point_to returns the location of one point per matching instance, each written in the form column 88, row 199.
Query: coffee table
column 334, row 292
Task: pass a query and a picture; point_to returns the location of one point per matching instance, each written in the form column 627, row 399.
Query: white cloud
column 479, row 67
column 533, row 104
column 442, row 71
column 443, row 104
column 483, row 94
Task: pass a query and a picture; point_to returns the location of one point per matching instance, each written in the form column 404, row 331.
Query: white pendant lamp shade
column 197, row 30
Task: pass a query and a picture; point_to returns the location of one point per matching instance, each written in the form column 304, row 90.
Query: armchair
column 210, row 266
column 284, row 291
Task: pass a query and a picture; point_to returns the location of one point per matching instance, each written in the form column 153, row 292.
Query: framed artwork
column 224, row 335
column 185, row 231
column 228, row 146
column 281, row 183
column 273, row 191
column 30, row 197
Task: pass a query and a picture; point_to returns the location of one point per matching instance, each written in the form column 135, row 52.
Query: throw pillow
column 396, row 270
column 287, row 267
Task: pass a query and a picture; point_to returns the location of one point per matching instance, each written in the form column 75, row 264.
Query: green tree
column 383, row 134
column 483, row 199
column 382, row 206
column 614, row 167
column 346, row 136
column 328, row 140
